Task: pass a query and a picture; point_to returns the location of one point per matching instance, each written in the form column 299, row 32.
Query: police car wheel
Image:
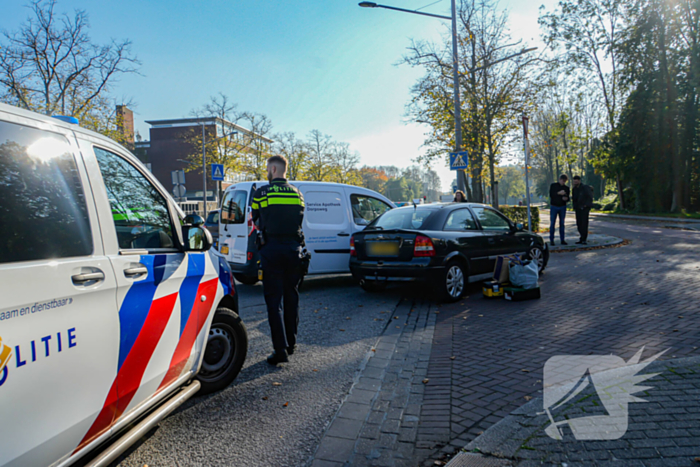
column 246, row 280
column 225, row 351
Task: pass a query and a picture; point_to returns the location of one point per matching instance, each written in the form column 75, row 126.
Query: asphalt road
column 276, row 416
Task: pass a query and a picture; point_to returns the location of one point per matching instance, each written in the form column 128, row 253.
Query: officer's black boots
column 278, row 356
column 291, row 349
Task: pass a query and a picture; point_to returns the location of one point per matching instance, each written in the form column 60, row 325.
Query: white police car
column 113, row 311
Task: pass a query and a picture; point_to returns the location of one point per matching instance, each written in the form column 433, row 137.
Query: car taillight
column 352, row 247
column 251, row 224
column 423, row 247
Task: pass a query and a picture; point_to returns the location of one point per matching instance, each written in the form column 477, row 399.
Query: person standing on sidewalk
column 558, row 199
column 278, row 210
column 582, row 198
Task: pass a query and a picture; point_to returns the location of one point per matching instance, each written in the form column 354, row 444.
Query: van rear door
column 233, row 225
column 327, row 228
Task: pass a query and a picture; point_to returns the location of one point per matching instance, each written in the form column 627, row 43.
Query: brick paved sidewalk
column 600, row 302
column 377, row 424
column 662, row 431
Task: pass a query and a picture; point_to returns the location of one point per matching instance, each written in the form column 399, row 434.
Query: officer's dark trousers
column 582, row 223
column 281, row 267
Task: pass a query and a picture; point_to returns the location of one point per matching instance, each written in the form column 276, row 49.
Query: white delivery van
column 333, row 212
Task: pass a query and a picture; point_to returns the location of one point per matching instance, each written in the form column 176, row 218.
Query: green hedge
column 518, row 214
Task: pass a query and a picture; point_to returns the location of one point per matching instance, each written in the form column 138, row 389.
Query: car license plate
column 224, row 249
column 383, row 248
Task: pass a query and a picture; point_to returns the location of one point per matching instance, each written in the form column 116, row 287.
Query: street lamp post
column 461, row 174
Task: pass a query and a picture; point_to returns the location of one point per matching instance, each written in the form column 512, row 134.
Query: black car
column 442, row 244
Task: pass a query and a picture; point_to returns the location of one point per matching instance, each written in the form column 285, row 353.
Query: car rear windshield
column 414, row 219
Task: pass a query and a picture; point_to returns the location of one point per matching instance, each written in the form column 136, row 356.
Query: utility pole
column 526, row 146
column 461, row 174
column 204, row 172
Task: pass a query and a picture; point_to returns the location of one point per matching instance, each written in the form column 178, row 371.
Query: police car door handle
column 135, row 271
column 88, row 277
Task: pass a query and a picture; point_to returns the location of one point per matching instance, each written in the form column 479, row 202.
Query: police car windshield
column 403, row 218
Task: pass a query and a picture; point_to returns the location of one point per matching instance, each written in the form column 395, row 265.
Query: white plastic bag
column 524, row 274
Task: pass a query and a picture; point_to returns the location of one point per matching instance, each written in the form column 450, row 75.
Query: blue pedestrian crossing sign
column 217, row 172
column 459, row 160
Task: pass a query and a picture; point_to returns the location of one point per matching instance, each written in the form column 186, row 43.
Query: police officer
column 278, row 210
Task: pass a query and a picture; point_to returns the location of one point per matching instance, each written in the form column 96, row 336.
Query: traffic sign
column 179, row 191
column 217, row 172
column 178, row 177
column 459, row 160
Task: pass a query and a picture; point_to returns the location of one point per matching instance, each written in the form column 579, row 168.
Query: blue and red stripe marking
column 142, row 321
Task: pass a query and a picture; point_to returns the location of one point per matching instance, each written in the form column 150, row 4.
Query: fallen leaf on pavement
column 285, row 405
column 264, row 398
column 452, row 357
column 437, row 312
column 314, row 369
column 528, row 398
column 379, row 319
column 525, row 371
column 348, row 317
column 343, row 330
column 276, row 384
column 374, row 350
column 396, row 317
column 425, row 381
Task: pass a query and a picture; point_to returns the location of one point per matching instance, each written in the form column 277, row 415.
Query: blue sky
column 314, row 64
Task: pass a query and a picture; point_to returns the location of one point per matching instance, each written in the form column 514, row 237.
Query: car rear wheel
column 536, row 254
column 453, row 283
column 246, row 280
column 225, row 351
column 372, row 286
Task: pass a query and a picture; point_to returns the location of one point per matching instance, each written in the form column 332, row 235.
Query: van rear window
column 233, row 207
column 43, row 210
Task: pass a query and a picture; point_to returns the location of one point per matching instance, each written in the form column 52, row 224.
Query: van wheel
column 246, row 280
column 224, row 353
column 453, row 282
column 373, row 286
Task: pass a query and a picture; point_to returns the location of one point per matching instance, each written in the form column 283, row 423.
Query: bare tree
column 50, row 65
column 320, row 150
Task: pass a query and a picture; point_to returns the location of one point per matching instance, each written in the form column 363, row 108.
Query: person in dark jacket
column 558, row 199
column 278, row 210
column 459, row 197
column 583, row 201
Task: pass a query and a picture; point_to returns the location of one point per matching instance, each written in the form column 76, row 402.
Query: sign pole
column 526, row 145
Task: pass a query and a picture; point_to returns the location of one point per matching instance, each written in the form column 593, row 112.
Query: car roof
column 436, row 206
column 28, row 114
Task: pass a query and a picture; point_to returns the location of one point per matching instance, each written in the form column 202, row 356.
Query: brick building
column 171, row 144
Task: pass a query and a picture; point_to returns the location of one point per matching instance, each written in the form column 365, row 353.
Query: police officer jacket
column 278, row 208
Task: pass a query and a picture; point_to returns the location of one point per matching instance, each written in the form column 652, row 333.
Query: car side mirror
column 361, row 221
column 197, row 238
column 519, row 227
column 193, row 219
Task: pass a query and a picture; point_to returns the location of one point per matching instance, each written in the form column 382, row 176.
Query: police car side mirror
column 193, row 219
column 196, row 238
column 519, row 227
